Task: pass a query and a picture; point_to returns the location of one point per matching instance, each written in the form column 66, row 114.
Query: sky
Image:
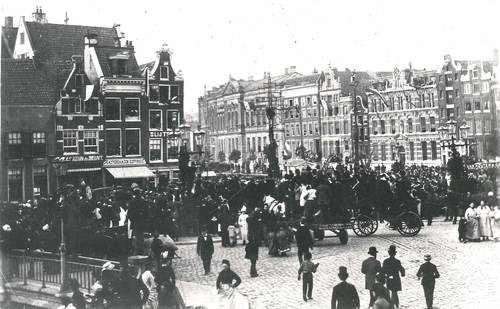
column 212, row 40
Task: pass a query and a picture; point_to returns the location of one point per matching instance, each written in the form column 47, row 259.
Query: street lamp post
column 198, row 135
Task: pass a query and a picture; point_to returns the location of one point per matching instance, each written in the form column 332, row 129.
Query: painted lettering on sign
column 124, row 161
column 78, row 158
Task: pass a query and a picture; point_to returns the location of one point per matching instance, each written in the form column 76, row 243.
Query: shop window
column 70, row 142
column 39, row 144
column 155, row 121
column 91, row 141
column 40, row 180
column 15, row 178
column 71, row 106
column 424, row 151
column 164, row 72
column 15, row 145
column 113, row 142
column 173, row 119
column 132, row 142
column 112, row 109
column 155, row 145
column 132, row 111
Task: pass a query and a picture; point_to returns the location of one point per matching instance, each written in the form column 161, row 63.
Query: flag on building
column 375, row 91
column 287, row 152
column 324, row 105
column 247, row 106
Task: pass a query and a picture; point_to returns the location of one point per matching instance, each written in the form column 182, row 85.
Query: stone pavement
column 469, row 272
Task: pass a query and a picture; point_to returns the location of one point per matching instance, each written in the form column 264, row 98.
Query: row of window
column 17, row 141
column 156, row 119
column 393, row 155
column 164, row 94
column 77, row 105
column 256, row 143
column 400, row 103
column 90, row 141
column 15, row 182
column 421, row 126
column 477, row 105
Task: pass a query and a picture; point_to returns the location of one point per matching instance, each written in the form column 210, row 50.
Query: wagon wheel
column 409, row 223
column 343, row 237
column 364, row 225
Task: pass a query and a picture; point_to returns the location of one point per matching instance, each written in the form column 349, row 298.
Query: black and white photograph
column 250, row 154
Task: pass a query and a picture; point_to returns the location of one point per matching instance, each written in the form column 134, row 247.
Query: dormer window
column 71, row 106
column 164, row 72
column 118, row 66
column 78, row 81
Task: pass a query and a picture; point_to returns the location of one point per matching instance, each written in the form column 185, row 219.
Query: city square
column 321, row 155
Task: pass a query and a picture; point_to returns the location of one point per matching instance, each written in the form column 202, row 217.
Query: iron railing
column 46, row 268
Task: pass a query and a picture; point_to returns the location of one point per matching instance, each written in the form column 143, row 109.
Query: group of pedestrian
column 480, row 222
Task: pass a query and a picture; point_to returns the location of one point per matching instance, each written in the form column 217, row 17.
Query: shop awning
column 130, row 172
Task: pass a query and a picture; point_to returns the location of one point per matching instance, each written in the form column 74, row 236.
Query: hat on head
column 226, row 262
column 343, row 272
column 135, row 186
column 372, row 251
column 490, row 193
column 427, row 257
column 392, row 249
column 6, row 228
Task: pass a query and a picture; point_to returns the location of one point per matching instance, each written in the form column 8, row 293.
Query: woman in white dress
column 242, row 223
column 495, row 223
column 472, row 226
column 149, row 280
column 484, row 213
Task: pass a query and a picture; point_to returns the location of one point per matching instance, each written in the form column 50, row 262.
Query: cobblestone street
column 469, row 272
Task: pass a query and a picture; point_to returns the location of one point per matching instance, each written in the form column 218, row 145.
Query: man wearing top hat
column 428, row 273
column 392, row 268
column 370, row 268
column 344, row 295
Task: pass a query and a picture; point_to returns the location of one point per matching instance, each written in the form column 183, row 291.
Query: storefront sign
column 159, row 134
column 78, row 158
column 124, row 162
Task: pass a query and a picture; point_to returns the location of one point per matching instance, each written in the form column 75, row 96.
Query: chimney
column 293, row 69
column 38, row 16
column 8, row 22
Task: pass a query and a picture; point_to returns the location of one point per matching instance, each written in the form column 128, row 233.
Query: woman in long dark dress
column 165, row 285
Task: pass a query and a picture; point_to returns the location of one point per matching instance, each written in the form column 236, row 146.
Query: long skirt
column 273, row 243
column 244, row 232
column 484, row 226
column 283, row 242
column 495, row 226
column 472, row 229
column 230, row 298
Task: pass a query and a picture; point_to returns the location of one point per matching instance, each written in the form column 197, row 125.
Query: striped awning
column 130, row 172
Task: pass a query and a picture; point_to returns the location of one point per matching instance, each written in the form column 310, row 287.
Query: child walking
column 307, row 268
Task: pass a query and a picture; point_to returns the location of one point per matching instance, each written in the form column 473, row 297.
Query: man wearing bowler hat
column 428, row 272
column 344, row 295
column 392, row 268
column 370, row 268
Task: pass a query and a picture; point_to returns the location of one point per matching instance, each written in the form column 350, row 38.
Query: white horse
column 274, row 206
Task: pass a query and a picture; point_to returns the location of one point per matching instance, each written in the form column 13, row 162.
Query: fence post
column 43, row 275
column 89, row 276
column 25, row 269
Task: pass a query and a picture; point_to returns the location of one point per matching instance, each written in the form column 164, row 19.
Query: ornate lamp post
column 443, row 136
column 199, row 137
column 464, row 133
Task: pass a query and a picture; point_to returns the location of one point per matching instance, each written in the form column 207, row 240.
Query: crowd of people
column 115, row 223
